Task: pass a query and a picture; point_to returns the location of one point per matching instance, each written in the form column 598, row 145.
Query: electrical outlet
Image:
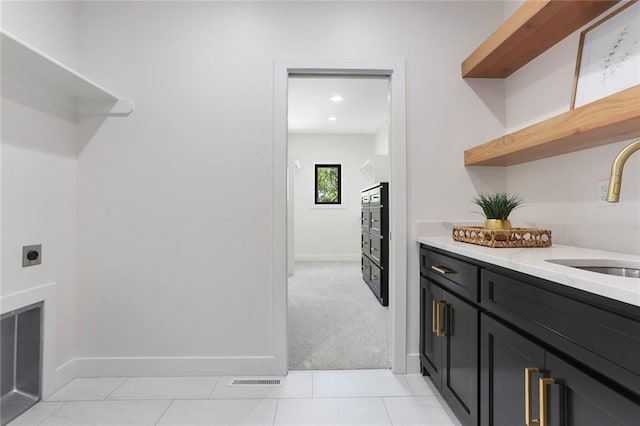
column 31, row 255
column 602, row 186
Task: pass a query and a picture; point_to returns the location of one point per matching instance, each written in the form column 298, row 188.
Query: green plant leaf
column 498, row 205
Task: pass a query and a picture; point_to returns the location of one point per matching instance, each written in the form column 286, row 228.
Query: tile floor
column 357, row 397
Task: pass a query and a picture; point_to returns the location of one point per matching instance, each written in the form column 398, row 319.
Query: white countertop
column 531, row 261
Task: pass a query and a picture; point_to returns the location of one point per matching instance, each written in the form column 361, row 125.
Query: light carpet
column 335, row 322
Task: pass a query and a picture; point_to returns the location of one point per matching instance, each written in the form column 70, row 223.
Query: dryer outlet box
column 31, row 255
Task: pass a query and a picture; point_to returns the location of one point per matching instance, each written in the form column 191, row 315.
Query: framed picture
column 328, row 184
column 608, row 56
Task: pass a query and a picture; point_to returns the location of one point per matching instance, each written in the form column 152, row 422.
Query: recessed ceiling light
column 336, row 98
column 332, row 118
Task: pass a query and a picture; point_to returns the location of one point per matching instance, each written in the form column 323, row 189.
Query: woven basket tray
column 515, row 237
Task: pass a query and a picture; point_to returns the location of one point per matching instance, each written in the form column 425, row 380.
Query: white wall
column 509, row 7
column 381, row 159
column 328, row 232
column 382, row 140
column 39, row 175
column 50, row 26
column 175, row 201
column 562, row 192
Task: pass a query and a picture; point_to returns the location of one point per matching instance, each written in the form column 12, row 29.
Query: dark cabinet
column 449, row 348
column 505, row 349
column 374, row 240
column 505, row 355
column 581, row 400
column 522, row 383
column 460, row 379
column 591, row 330
column 431, row 343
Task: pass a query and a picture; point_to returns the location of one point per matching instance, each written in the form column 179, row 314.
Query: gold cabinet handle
column 439, row 320
column 528, row 416
column 544, row 382
column 434, row 315
column 443, row 270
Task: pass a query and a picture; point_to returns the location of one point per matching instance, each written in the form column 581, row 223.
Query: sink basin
column 610, row 270
column 622, row 268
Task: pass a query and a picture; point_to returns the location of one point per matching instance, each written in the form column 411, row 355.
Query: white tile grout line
column 81, row 400
column 215, row 385
column 312, row 394
column 116, row 388
column 387, row 411
column 48, row 415
column 275, row 412
column 65, row 384
column 164, row 412
column 142, row 399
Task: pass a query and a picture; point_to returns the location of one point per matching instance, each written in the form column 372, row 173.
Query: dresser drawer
column 454, row 274
column 375, row 219
column 375, row 197
column 365, row 267
column 606, row 341
column 365, row 243
column 376, row 249
column 365, row 219
column 375, row 280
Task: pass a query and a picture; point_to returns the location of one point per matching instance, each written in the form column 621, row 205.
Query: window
column 328, row 184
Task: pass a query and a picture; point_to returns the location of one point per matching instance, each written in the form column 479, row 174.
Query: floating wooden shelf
column 28, row 70
column 607, row 120
column 531, row 30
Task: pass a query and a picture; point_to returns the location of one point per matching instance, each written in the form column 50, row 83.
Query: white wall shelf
column 31, row 71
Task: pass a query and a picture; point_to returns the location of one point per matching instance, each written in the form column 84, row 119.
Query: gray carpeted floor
column 335, row 322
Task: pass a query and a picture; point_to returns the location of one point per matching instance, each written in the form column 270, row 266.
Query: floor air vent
column 254, row 382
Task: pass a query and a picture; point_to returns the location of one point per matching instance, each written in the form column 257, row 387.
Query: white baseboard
column 64, row 374
column 413, row 363
column 176, row 366
column 327, row 257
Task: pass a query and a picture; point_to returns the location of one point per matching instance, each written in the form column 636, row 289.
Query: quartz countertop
column 531, row 261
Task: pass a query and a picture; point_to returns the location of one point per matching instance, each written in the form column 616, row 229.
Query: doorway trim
column 394, row 68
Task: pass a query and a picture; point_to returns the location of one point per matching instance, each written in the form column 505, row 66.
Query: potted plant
column 497, row 207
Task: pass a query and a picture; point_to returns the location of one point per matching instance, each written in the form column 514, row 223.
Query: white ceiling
column 364, row 108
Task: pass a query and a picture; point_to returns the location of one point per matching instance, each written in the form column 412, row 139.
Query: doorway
column 394, row 70
column 338, row 144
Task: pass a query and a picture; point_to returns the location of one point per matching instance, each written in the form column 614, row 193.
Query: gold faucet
column 615, row 181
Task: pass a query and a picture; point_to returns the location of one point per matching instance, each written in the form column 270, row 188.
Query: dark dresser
column 374, row 240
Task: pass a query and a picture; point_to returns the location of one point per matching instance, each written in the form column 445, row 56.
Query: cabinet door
column 365, row 267
column 430, row 343
column 584, row 401
column 460, row 385
column 504, row 355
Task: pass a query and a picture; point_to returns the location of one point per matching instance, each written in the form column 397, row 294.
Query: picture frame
column 608, row 56
column 328, row 184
